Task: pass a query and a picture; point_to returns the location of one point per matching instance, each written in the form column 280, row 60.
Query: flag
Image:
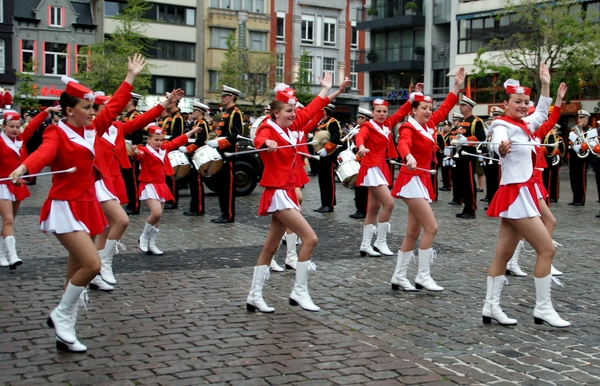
column 468, row 89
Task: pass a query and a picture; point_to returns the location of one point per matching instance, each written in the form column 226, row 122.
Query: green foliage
column 411, row 5
column 26, row 93
column 304, row 80
column 559, row 33
column 108, row 59
column 372, row 11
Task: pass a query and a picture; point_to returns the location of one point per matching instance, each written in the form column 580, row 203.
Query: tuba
column 592, row 140
column 579, row 143
column 554, row 157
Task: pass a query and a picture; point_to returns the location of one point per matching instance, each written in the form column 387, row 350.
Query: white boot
column 380, row 245
column 63, row 317
column 423, row 279
column 143, row 240
column 512, row 267
column 275, row 267
column 365, row 247
column 99, row 284
column 554, row 271
column 3, row 260
column 300, row 295
column 255, row 299
column 399, row 279
column 106, row 257
column 291, row 257
column 491, row 308
column 544, row 311
column 11, row 252
column 152, row 249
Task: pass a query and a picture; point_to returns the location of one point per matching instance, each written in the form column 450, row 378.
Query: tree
column 108, row 59
column 304, row 80
column 560, row 33
column 26, row 92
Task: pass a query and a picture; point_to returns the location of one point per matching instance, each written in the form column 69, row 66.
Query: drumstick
column 431, row 171
column 456, row 142
column 478, row 156
column 312, row 143
column 246, row 138
column 70, row 170
column 309, row 155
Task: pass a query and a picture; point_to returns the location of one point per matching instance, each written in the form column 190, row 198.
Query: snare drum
column 347, row 172
column 207, row 160
column 345, row 156
column 179, row 162
column 129, row 147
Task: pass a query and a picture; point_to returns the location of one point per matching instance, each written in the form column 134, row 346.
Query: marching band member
column 375, row 145
column 416, row 146
column 12, row 153
column 436, row 162
column 131, row 174
column 361, row 193
column 173, row 125
column 194, row 178
column 492, row 168
column 551, row 174
column 279, row 198
column 327, row 162
column 516, row 202
column 153, row 187
column 578, row 165
column 457, row 198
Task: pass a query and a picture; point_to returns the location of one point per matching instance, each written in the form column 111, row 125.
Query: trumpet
column 580, row 145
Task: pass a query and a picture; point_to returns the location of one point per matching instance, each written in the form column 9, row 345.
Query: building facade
column 7, row 70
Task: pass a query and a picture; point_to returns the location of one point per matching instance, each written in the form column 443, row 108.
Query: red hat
column 287, row 96
column 514, row 87
column 419, row 97
column 155, row 129
column 100, row 98
column 77, row 90
column 11, row 115
column 380, row 102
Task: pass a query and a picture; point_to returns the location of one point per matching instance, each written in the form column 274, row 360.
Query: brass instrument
column 592, row 139
column 579, row 143
column 554, row 156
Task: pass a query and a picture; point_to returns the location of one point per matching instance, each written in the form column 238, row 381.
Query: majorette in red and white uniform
column 300, row 172
column 518, row 194
column 279, row 174
column 374, row 170
column 420, row 142
column 155, row 166
column 13, row 153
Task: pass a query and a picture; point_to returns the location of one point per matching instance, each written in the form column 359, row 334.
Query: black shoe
column 444, row 189
column 319, row 209
column 170, row 206
column 485, row 199
column 598, row 215
column 325, row 209
column 357, row 215
column 571, row 203
column 578, row 204
column 553, row 200
column 486, row 208
column 222, row 220
column 479, row 190
column 466, row 216
column 190, row 213
column 454, row 203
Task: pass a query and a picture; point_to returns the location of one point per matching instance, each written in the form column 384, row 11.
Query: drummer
column 155, row 167
column 194, row 178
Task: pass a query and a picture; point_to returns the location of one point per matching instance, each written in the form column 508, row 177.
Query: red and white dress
column 12, row 154
column 420, row 142
column 279, row 175
column 154, row 167
column 541, row 163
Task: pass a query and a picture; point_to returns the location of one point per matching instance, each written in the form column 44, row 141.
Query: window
column 213, row 81
column 55, row 58
column 113, row 8
column 353, row 74
column 309, row 69
column 55, row 17
column 28, row 56
column 257, row 41
column 280, row 26
column 172, row 14
column 2, row 57
column 219, row 36
column 255, row 6
column 1, row 11
column 354, row 42
column 83, row 60
column 164, row 49
column 307, row 29
column 162, row 84
column 280, row 68
column 329, row 31
column 329, row 65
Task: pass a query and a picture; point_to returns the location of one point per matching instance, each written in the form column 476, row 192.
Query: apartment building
column 7, row 73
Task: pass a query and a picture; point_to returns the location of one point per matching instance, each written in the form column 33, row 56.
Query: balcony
column 398, row 14
column 391, row 58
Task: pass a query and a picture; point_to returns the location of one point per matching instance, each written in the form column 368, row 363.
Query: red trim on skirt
column 267, row 197
column 363, row 170
column 161, row 189
column 20, row 192
column 507, row 194
column 404, row 178
column 539, row 180
column 88, row 212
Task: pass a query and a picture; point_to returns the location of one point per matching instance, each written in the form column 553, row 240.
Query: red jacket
column 540, row 133
column 154, row 169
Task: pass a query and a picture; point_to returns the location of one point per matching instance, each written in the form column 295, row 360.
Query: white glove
column 213, row 143
column 462, row 139
column 182, row 149
column 322, row 153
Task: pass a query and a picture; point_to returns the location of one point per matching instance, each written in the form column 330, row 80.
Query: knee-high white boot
column 365, row 246
column 491, row 307
column 3, row 260
column 255, row 299
column 399, row 279
column 106, row 257
column 143, row 240
column 423, row 279
column 291, row 256
column 64, row 317
column 544, row 311
column 553, row 270
column 11, row 252
column 152, row 248
column 380, row 244
column 300, row 295
column 275, row 267
column 512, row 267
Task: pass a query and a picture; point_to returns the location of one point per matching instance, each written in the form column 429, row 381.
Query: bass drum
column 255, row 125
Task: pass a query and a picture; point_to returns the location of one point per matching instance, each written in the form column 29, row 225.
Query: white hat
column 230, row 91
column 200, row 106
column 466, row 101
column 457, row 116
column 330, row 106
column 583, row 113
column 557, row 126
column 496, row 110
column 135, row 97
column 365, row 113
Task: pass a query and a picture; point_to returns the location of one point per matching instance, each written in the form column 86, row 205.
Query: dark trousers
column 447, row 176
column 551, row 177
column 492, row 179
column 313, row 163
column 325, row 173
column 226, row 184
column 361, row 198
column 196, row 191
column 465, row 168
column 456, row 188
column 132, row 184
column 578, row 177
column 174, row 189
column 434, row 182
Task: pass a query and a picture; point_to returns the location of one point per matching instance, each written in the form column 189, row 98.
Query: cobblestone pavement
column 180, row 319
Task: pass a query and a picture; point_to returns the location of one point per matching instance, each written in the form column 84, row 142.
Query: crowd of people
column 106, row 157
